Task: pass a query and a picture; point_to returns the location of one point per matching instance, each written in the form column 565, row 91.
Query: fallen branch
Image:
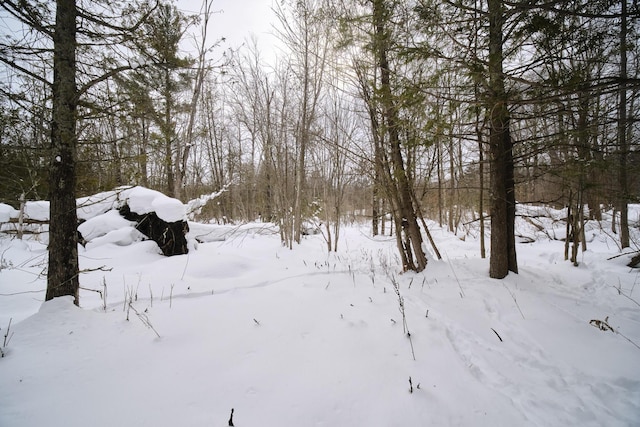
column 603, row 325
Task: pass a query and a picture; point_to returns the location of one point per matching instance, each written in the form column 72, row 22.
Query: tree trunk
column 452, row 182
column 62, row 275
column 483, row 252
column 623, row 147
column 406, row 222
column 503, row 252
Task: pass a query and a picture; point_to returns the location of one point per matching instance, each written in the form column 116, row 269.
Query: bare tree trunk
column 62, row 274
column 406, row 221
column 440, row 179
column 623, row 144
column 195, row 96
column 568, row 238
column 483, row 251
column 452, row 183
column 21, row 217
column 576, row 228
column 168, row 131
column 503, row 252
column 142, row 151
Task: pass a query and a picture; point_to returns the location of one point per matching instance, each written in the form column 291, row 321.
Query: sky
column 237, row 20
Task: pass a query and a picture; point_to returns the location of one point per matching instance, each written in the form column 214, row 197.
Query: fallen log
column 170, row 236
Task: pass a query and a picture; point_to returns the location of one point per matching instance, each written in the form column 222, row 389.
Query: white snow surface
column 304, row 337
column 7, row 212
column 143, row 200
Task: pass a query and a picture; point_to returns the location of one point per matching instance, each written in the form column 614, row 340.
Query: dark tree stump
column 170, row 236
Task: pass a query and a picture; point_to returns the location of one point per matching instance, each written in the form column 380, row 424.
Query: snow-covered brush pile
column 122, row 217
column 303, row 337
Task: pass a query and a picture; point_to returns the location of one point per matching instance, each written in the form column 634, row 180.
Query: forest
column 384, row 111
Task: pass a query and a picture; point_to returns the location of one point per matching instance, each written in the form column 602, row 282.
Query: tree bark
column 503, row 252
column 62, row 275
column 623, row 144
column 406, row 223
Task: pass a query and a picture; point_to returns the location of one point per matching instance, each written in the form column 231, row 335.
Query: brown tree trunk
column 62, row 275
column 623, row 144
column 406, row 222
column 483, row 252
column 503, row 252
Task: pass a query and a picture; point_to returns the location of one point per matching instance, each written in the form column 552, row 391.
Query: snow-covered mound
column 143, row 200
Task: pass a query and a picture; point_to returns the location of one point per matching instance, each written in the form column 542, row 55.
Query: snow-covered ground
column 308, row 338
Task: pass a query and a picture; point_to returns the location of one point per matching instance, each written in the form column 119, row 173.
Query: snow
column 303, row 337
column 194, row 206
column 143, row 200
column 100, row 225
column 7, row 212
column 38, row 210
column 97, row 204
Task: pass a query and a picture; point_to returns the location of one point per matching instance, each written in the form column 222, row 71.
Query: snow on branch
column 194, row 207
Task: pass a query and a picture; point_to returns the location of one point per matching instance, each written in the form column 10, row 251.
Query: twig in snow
column 104, row 294
column 143, row 318
column 231, row 419
column 603, row 325
column 498, row 335
column 626, row 338
column 455, row 276
column 405, row 326
column 186, row 264
column 619, row 289
column 7, row 338
column 91, row 270
column 91, row 290
column 514, row 299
